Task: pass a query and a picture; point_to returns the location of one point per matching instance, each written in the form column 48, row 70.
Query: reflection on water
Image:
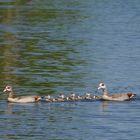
column 104, row 105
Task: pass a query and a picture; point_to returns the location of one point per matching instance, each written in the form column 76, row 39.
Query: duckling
column 48, row 98
column 79, row 98
column 88, row 97
column 114, row 97
column 22, row 99
column 61, row 98
column 73, row 97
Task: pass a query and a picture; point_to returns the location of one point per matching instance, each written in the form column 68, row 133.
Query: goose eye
column 103, row 84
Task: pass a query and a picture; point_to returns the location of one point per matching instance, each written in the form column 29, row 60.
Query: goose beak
column 99, row 88
column 4, row 90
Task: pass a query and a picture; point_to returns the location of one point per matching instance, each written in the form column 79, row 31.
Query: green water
column 40, row 44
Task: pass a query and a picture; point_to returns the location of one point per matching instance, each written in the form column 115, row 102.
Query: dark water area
column 53, row 47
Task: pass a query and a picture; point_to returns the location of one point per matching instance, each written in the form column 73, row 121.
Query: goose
column 114, row 97
column 22, row 99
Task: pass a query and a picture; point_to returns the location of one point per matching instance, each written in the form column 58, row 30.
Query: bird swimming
column 115, row 96
column 22, row 99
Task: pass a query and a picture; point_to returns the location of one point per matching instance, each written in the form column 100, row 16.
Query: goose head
column 102, row 86
column 8, row 89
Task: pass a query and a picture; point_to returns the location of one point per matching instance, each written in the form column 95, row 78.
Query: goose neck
column 105, row 92
column 11, row 94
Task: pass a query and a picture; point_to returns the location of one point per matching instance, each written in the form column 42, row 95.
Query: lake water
column 61, row 46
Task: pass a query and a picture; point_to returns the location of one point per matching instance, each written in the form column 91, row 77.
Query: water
column 53, row 47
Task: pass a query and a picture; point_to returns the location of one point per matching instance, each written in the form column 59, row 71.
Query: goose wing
column 118, row 95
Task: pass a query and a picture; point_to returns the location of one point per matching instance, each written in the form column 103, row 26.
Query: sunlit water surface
column 53, row 47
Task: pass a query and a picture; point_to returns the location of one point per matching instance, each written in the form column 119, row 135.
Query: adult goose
column 116, row 96
column 22, row 99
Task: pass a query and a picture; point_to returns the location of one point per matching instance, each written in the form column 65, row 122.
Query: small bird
column 90, row 97
column 74, row 97
column 116, row 96
column 22, row 99
column 61, row 98
column 48, row 98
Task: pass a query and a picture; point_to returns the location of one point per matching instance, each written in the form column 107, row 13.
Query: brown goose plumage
column 116, row 96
